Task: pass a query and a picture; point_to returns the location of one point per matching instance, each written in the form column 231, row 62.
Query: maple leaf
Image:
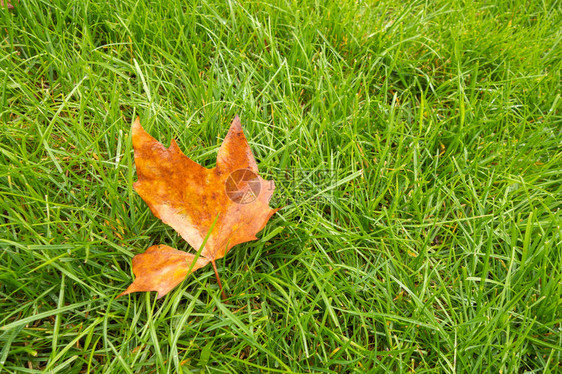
column 231, row 199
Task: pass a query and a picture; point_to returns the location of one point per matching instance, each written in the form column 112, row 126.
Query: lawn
column 417, row 152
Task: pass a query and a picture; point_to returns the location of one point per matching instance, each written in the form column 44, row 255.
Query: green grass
column 432, row 245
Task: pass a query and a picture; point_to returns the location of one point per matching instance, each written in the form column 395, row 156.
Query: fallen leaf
column 231, row 198
column 161, row 268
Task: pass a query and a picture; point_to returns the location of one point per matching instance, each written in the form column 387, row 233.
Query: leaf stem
column 218, row 280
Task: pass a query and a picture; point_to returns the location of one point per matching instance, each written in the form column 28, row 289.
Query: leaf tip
column 236, row 123
column 126, row 292
column 136, row 128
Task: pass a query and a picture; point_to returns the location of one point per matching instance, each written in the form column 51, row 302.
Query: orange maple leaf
column 230, row 198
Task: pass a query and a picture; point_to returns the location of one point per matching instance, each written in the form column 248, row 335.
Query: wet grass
column 417, row 152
